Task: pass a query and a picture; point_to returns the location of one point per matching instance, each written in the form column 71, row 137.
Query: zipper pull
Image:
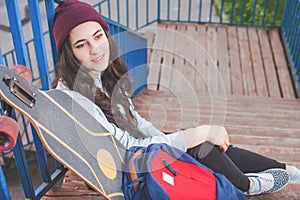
column 166, row 164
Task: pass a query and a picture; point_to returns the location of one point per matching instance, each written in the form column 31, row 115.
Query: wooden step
column 265, row 125
column 240, row 114
column 270, row 126
column 73, row 187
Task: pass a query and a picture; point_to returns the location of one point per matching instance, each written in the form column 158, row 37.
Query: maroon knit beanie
column 71, row 13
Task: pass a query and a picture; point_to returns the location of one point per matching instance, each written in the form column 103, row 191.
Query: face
column 90, row 46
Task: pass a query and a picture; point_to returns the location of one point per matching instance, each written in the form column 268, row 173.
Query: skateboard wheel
column 22, row 71
column 9, row 130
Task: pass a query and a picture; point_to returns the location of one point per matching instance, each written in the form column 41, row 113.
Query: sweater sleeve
column 176, row 139
column 146, row 127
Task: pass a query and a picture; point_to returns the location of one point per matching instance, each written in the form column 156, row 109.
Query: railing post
column 50, row 9
column 41, row 156
column 158, row 10
column 178, row 12
column 200, row 11
column 232, row 10
column 39, row 43
column 243, row 12
column 23, row 169
column 275, row 12
column 127, row 13
column 22, row 58
column 253, row 11
column 136, row 14
column 210, row 10
column 147, row 12
column 1, row 58
column 264, row 13
column 4, row 193
column 16, row 31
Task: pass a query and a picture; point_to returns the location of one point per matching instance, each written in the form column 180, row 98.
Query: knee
column 205, row 150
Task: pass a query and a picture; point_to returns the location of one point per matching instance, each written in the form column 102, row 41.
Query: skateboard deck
column 69, row 133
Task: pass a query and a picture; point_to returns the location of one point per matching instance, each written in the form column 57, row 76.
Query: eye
column 98, row 36
column 80, row 45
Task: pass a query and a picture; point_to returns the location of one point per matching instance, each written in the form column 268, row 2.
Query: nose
column 93, row 48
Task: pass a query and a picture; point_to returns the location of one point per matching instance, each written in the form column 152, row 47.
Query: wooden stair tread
column 266, row 125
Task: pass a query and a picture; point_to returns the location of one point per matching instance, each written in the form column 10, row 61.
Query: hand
column 217, row 135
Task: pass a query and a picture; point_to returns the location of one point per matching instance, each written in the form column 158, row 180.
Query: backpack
column 163, row 172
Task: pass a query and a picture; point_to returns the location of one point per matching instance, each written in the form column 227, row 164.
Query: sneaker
column 295, row 176
column 271, row 180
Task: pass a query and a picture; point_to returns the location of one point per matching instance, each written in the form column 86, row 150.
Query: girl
column 92, row 73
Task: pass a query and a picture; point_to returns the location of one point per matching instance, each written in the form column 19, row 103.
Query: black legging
column 233, row 163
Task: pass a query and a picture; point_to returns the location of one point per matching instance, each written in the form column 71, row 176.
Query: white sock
column 295, row 176
column 256, row 185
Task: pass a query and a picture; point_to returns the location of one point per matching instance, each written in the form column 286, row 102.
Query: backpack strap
column 132, row 169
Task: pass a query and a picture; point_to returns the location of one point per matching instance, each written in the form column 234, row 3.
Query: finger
column 224, row 147
column 227, row 143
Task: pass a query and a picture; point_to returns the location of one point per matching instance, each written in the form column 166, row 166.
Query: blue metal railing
column 134, row 15
column 282, row 14
column 21, row 54
column 133, row 52
column 137, row 14
column 291, row 32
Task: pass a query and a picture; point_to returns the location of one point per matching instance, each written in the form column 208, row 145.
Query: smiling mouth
column 98, row 59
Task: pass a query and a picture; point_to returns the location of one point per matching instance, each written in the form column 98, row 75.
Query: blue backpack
column 163, row 172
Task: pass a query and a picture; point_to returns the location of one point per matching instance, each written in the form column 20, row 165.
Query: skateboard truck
column 20, row 91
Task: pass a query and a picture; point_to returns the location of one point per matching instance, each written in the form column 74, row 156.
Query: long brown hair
column 115, row 80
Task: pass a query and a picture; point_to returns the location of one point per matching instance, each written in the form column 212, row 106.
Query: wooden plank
column 257, row 63
column 73, row 187
column 168, row 58
column 189, row 59
column 285, row 80
column 246, row 108
column 247, row 74
column 235, row 100
column 287, row 118
column 201, row 60
column 57, row 193
column 212, row 68
column 192, row 31
column 156, row 57
column 177, row 84
column 223, row 61
column 235, row 65
column 150, row 41
column 270, row 69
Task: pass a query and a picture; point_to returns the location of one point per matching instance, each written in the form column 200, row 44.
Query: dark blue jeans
column 233, row 163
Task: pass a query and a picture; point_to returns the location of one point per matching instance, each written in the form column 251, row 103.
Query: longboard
column 69, row 133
